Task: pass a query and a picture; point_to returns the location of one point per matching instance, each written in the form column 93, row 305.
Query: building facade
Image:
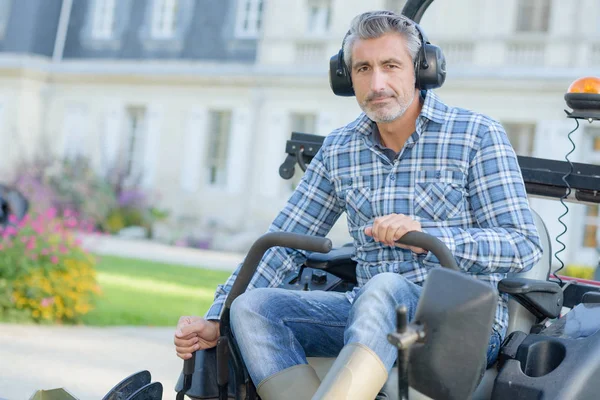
column 197, row 97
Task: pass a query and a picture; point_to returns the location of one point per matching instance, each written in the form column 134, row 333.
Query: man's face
column 383, row 76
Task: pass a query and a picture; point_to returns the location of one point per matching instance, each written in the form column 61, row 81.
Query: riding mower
column 552, row 347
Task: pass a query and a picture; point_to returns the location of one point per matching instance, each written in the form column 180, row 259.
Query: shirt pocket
column 358, row 201
column 439, row 194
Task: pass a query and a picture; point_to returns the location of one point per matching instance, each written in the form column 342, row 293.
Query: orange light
column 589, row 84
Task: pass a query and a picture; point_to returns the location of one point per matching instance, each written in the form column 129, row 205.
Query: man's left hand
column 388, row 229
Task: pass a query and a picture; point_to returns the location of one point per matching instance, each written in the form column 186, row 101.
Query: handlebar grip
column 433, row 244
column 189, row 365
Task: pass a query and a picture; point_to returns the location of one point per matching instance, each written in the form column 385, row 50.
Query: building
column 199, row 96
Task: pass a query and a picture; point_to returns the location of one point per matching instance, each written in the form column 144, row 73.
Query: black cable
column 566, row 195
column 300, row 159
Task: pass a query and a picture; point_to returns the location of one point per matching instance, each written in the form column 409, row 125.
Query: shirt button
column 393, row 177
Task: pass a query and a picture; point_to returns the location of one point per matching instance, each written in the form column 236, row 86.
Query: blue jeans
column 276, row 329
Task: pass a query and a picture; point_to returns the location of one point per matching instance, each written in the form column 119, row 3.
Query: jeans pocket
column 439, row 194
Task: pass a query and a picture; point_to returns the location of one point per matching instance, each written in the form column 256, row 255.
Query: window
column 218, row 145
column 249, row 18
column 164, row 18
column 521, row 137
column 590, row 233
column 103, row 19
column 5, row 7
column 134, row 146
column 319, row 16
column 302, row 123
column 533, row 15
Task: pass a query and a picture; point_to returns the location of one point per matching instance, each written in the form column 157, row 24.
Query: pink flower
column 54, row 260
column 45, row 252
column 30, row 245
column 51, row 213
column 12, row 219
column 47, row 301
column 24, row 221
column 63, row 249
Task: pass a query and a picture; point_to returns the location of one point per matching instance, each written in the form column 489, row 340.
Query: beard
column 389, row 110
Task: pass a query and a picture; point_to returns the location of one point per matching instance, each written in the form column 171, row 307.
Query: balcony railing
column 458, row 53
column 525, row 53
column 310, row 53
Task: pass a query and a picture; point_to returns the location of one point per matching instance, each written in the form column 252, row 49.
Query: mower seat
column 519, row 319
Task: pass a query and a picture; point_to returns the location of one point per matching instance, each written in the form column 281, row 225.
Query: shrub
column 46, row 275
column 578, row 271
column 67, row 185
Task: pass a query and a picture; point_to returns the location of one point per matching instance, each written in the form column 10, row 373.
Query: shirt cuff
column 214, row 312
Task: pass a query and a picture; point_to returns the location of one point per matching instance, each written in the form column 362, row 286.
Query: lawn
column 137, row 292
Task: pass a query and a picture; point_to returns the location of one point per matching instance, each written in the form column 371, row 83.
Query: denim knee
column 248, row 305
column 390, row 288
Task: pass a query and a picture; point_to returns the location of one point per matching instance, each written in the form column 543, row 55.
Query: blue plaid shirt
column 457, row 175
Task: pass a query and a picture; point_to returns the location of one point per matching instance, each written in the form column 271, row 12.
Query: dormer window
column 103, row 20
column 249, row 18
column 164, row 18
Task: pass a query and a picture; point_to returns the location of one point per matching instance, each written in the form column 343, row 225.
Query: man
column 408, row 163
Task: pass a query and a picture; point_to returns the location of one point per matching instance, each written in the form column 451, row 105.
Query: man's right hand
column 195, row 333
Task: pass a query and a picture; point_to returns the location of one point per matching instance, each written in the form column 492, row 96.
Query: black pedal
column 152, row 391
column 128, row 386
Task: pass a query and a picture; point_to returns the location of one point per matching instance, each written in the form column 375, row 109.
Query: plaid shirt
column 457, row 175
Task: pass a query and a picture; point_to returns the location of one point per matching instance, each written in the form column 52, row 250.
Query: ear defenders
column 430, row 68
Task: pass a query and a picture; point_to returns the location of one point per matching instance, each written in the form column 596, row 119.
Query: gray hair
column 374, row 24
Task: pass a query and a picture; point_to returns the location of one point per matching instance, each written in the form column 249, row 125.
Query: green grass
column 137, row 292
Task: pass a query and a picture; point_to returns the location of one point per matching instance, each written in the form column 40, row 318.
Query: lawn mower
column 552, row 347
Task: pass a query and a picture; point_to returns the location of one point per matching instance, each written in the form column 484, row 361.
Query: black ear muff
column 430, row 67
column 339, row 75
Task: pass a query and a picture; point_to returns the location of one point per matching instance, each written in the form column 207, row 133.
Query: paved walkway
column 86, row 361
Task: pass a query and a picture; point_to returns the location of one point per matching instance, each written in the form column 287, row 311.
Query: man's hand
column 195, row 333
column 392, row 227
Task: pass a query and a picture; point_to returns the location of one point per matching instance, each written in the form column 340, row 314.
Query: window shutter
column 194, row 145
column 152, row 144
column 74, row 125
column 113, row 121
column 239, row 149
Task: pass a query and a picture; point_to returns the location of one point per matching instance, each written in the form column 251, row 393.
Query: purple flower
column 132, row 198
